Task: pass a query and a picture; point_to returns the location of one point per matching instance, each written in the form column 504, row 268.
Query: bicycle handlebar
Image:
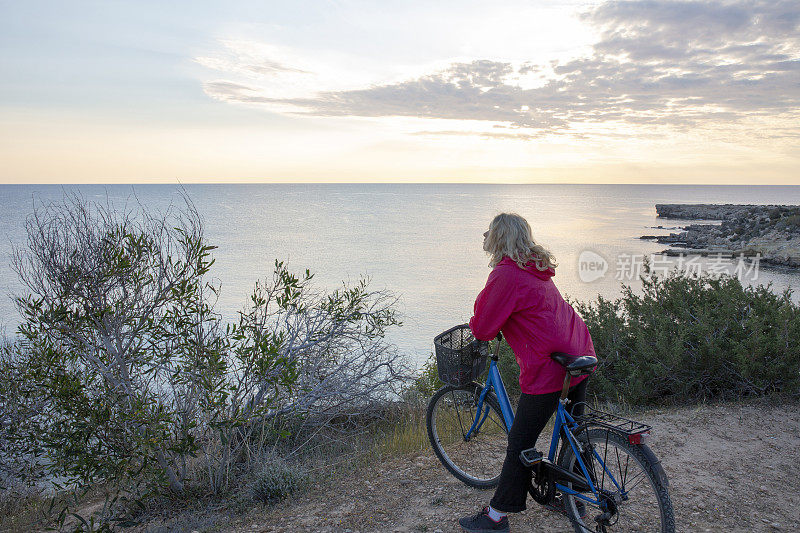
column 499, row 340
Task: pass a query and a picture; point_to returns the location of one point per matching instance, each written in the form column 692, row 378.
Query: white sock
column 495, row 514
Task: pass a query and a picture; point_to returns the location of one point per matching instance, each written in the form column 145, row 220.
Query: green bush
column 688, row 339
column 427, row 380
column 124, row 376
column 509, row 370
column 792, row 221
column 278, row 479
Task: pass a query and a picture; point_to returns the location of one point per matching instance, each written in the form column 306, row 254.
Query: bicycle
column 597, row 462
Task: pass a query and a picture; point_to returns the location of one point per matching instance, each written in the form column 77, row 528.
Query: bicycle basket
column 460, row 357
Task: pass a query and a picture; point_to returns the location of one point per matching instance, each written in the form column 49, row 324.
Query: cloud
column 243, row 58
column 465, row 91
column 660, row 63
column 229, row 91
column 482, row 134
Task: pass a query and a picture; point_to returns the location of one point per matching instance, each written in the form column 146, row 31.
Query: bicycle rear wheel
column 476, row 461
column 641, row 503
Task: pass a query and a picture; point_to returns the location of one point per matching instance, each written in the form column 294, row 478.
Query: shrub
column 792, row 221
column 687, row 339
column 119, row 350
column 278, row 479
column 124, row 375
column 427, row 380
column 509, row 370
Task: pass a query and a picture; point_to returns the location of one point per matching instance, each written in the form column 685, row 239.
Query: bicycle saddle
column 575, row 365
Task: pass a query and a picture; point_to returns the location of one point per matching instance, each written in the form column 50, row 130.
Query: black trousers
column 533, row 412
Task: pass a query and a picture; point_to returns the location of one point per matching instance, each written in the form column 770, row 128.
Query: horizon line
column 759, row 184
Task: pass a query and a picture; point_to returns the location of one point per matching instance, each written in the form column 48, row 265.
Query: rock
column 772, row 231
column 697, row 211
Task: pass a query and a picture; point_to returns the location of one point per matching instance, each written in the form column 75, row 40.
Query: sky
column 649, row 91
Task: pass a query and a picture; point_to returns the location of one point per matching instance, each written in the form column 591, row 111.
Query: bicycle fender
column 659, row 470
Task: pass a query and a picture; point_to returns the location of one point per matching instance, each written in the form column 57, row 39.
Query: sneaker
column 481, row 523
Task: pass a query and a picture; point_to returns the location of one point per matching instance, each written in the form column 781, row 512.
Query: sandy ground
column 733, row 467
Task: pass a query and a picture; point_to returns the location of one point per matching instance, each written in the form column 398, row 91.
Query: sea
column 421, row 242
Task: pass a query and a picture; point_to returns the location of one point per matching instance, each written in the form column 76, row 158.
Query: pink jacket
column 526, row 306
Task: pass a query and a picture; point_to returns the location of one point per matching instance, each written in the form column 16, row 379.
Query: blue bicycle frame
column 563, row 428
column 564, row 425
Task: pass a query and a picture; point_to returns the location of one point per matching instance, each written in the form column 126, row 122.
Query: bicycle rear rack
column 597, row 418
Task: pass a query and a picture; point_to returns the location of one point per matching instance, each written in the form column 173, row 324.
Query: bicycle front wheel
column 477, row 458
column 638, row 501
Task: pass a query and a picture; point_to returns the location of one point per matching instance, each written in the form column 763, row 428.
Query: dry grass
column 27, row 509
column 329, row 457
column 20, row 512
column 403, row 433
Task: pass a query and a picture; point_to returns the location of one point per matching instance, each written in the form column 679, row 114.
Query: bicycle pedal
column 531, row 457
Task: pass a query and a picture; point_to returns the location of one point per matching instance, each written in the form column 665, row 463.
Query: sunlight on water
column 421, row 241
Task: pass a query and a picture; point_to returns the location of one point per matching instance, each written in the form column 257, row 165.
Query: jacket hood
column 530, row 268
column 541, row 274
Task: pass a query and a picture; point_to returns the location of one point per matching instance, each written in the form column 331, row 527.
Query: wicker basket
column 460, row 357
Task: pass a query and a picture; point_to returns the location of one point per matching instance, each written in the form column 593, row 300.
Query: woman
column 521, row 300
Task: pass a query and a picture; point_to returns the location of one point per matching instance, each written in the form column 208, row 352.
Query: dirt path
column 731, row 468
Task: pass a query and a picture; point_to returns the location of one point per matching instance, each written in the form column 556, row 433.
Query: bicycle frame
column 562, row 429
column 493, row 381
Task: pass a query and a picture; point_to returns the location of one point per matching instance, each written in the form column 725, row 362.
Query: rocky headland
column 773, row 231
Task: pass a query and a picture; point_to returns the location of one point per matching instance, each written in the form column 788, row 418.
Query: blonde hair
column 510, row 235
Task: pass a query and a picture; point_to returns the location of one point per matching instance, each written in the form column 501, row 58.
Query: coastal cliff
column 773, row 231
